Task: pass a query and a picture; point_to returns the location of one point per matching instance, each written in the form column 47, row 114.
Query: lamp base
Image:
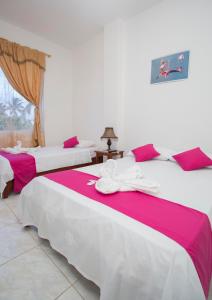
column 109, row 143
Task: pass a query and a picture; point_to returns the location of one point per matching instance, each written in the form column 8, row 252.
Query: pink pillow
column 145, row 152
column 193, row 159
column 73, row 141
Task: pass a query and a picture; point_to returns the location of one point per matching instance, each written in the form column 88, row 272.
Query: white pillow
column 128, row 153
column 165, row 153
column 85, row 144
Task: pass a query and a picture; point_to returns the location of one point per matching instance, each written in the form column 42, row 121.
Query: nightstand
column 108, row 154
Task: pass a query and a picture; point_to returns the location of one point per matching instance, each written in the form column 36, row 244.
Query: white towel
column 108, row 169
column 14, row 150
column 130, row 179
column 17, row 150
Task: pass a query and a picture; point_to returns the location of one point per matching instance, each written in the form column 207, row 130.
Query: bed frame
column 9, row 187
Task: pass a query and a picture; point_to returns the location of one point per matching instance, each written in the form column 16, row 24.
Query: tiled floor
column 30, row 269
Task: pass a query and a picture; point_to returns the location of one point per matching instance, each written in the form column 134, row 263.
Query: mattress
column 49, row 158
column 125, row 258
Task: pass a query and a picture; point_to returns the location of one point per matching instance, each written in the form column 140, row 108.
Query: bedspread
column 188, row 227
column 23, row 166
column 125, row 258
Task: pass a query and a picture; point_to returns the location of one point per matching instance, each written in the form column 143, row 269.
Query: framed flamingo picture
column 171, row 67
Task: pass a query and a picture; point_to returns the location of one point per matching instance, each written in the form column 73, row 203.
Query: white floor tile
column 13, row 203
column 70, row 294
column 6, row 216
column 14, row 241
column 31, row 276
column 87, row 289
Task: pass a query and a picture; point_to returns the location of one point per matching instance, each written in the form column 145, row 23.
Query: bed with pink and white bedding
column 126, row 258
column 47, row 159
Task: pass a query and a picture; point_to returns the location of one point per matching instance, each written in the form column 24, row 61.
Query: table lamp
column 109, row 134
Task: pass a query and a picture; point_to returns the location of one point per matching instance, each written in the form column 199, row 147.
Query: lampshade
column 109, row 133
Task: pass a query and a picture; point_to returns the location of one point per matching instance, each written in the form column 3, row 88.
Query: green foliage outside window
column 16, row 113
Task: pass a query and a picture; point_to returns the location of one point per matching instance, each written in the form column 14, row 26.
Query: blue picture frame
column 171, row 67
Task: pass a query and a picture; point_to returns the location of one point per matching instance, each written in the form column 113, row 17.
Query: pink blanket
column 24, row 168
column 188, row 227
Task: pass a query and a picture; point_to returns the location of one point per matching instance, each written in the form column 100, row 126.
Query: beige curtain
column 24, row 69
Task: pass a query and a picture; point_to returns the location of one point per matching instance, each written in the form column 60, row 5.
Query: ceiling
column 68, row 22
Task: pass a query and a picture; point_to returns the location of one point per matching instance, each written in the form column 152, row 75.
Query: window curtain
column 24, row 68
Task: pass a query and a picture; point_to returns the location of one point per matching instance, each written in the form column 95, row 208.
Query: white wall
column 176, row 114
column 57, row 85
column 97, row 83
column 114, row 78
column 88, row 88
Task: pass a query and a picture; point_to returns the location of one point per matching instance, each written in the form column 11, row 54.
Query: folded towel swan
column 130, row 179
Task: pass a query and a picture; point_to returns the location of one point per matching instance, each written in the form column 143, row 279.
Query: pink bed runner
column 23, row 166
column 188, row 227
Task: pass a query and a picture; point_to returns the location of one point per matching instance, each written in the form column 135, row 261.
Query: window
column 16, row 113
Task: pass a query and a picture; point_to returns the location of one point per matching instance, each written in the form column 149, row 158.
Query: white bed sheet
column 125, row 258
column 49, row 158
